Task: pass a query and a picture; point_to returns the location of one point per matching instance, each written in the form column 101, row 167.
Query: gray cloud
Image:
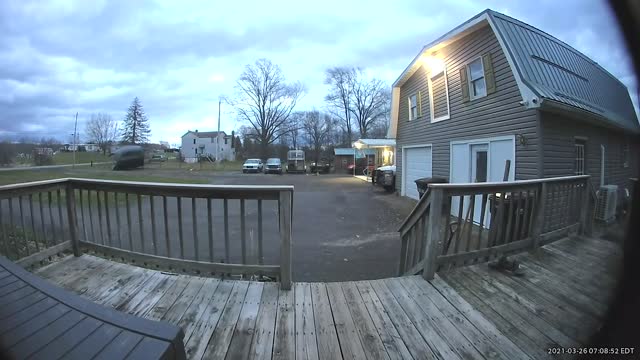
column 59, row 57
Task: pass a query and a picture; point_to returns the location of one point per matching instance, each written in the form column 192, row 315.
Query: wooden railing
column 200, row 229
column 461, row 224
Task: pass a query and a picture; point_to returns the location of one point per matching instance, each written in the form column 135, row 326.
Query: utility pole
column 75, row 145
column 218, row 133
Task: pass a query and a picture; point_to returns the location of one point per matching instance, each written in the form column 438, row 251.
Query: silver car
column 252, row 165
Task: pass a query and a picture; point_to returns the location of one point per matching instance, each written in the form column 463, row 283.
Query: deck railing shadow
column 197, row 229
column 461, row 224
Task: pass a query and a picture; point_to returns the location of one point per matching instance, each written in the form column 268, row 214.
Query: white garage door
column 417, row 164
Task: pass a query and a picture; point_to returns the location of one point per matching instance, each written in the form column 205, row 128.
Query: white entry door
column 480, row 161
column 416, row 165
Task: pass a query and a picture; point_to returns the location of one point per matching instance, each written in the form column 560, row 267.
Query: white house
column 217, row 145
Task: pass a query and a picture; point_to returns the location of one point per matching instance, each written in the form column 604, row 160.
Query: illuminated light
column 433, row 64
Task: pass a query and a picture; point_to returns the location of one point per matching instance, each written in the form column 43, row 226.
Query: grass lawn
column 21, row 176
column 64, row 158
column 173, row 164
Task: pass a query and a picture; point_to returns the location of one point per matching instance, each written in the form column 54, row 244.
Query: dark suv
column 273, row 165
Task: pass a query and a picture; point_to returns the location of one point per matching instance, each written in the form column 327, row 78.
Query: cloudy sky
column 62, row 57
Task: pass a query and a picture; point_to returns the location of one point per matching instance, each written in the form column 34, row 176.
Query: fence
column 201, row 229
column 461, row 224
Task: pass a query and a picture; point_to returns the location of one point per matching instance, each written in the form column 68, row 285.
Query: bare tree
column 265, row 100
column 340, row 81
column 102, row 130
column 369, row 97
column 317, row 127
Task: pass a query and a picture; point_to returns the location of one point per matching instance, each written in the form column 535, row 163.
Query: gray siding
column 497, row 114
column 439, row 97
column 559, row 133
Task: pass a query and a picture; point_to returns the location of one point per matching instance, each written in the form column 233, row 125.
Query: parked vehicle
column 385, row 176
column 273, row 165
column 252, row 165
column 323, row 166
column 295, row 161
column 158, row 158
column 128, row 157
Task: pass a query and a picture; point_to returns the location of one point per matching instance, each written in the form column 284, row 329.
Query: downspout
column 602, row 154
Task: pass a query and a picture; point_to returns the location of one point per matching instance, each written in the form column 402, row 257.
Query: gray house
column 496, row 89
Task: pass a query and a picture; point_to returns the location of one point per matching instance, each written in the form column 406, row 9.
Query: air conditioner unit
column 607, row 203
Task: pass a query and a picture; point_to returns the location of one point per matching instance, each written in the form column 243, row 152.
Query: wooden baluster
column 499, row 239
column 482, row 226
column 84, row 219
column 45, row 238
column 537, row 225
column 469, row 226
column 12, row 230
column 402, row 267
column 460, row 224
column 118, row 225
column 285, row 205
column 141, row 223
column 435, row 240
column 24, row 228
column 71, row 218
column 422, row 235
column 260, row 254
column 210, row 227
column 508, row 230
column 226, row 230
column 60, row 221
column 243, row 234
column 106, row 211
column 54, row 231
column 584, row 206
column 180, row 235
column 414, row 245
column 33, row 223
column 5, row 237
column 194, row 220
column 153, row 225
column 515, row 234
column 128, row 207
column 524, row 224
column 100, row 229
column 166, row 225
column 94, row 239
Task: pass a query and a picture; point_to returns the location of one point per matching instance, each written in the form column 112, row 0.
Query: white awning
column 374, row 143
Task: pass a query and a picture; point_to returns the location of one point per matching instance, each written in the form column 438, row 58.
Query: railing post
column 285, row 209
column 71, row 216
column 435, row 234
column 538, row 222
column 584, row 207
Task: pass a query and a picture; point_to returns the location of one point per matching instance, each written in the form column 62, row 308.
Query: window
column 194, row 141
column 579, row 168
column 439, row 95
column 477, row 83
column 225, row 141
column 413, row 107
column 625, row 155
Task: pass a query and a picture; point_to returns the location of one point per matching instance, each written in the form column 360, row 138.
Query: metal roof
column 554, row 70
column 204, row 134
column 350, row 151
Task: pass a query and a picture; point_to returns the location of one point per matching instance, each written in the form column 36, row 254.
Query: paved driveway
column 344, row 228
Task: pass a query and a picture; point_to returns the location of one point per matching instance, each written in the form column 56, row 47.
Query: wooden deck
column 468, row 313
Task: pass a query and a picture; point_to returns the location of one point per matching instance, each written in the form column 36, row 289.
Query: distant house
column 213, row 144
column 344, row 157
column 81, row 147
column 495, row 89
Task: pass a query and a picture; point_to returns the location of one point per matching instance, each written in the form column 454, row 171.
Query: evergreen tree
column 136, row 127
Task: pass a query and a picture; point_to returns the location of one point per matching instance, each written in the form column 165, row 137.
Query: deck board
column 467, row 312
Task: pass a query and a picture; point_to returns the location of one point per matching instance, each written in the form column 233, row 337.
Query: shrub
column 42, row 159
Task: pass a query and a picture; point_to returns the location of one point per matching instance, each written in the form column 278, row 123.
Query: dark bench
column 41, row 320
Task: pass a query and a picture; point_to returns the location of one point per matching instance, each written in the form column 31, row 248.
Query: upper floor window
column 477, row 79
column 477, row 83
column 413, row 107
column 225, row 141
column 194, row 141
column 439, row 95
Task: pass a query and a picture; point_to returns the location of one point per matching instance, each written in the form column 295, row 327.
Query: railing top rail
column 147, row 185
column 502, row 184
